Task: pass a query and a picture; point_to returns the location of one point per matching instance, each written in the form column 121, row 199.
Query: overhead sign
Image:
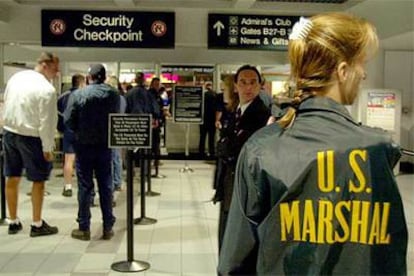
column 243, row 31
column 188, row 104
column 130, row 130
column 118, row 29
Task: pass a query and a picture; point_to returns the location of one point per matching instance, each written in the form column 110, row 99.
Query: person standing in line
column 30, row 118
column 251, row 114
column 227, row 103
column 208, row 127
column 87, row 116
column 315, row 192
column 153, row 91
column 78, row 81
column 139, row 101
column 116, row 153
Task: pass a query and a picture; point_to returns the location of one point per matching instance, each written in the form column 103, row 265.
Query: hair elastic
column 301, row 29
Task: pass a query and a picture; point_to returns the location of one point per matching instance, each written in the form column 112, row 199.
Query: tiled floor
column 182, row 241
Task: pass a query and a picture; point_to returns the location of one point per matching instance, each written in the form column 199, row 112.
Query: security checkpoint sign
column 130, row 130
column 249, row 32
column 117, row 29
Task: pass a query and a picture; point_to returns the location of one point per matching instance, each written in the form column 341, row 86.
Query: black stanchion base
column 158, row 176
column 144, row 221
column 186, row 169
column 3, row 222
column 151, row 193
column 130, row 266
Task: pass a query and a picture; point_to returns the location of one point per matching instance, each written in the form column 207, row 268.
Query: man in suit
column 251, row 114
column 208, row 127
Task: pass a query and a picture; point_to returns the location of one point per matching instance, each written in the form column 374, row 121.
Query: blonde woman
column 315, row 192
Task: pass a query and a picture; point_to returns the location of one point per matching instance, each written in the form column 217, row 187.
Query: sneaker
column 107, row 235
column 14, row 228
column 43, row 230
column 113, row 203
column 81, row 234
column 67, row 192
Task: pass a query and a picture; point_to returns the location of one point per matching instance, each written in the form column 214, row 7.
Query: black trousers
column 209, row 130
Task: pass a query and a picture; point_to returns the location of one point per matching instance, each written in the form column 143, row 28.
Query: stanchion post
column 130, row 265
column 143, row 220
column 157, row 158
column 148, row 174
column 187, row 149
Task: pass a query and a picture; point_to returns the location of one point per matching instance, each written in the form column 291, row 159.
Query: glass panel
column 128, row 69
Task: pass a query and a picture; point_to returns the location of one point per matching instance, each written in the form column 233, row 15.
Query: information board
column 119, row 29
column 130, row 130
column 255, row 32
column 381, row 109
column 188, row 104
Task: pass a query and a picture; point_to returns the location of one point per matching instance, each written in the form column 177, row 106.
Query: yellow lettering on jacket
column 345, row 221
column 353, row 187
column 290, row 220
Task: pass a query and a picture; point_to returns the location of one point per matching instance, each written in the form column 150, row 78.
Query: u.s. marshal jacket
column 316, row 198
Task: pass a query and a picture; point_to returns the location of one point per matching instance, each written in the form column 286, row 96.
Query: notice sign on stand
column 188, row 104
column 130, row 130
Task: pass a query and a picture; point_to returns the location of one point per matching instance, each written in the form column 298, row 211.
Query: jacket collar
column 325, row 104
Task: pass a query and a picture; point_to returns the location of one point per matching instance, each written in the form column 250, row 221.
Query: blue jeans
column 116, row 169
column 90, row 160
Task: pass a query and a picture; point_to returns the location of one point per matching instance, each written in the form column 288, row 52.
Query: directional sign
column 118, row 29
column 218, row 26
column 254, row 32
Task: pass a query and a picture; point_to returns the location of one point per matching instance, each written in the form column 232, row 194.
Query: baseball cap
column 97, row 72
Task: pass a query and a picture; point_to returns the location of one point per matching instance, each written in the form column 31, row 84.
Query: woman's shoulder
column 264, row 137
column 376, row 134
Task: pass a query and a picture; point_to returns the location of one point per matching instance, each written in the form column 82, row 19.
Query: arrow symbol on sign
column 219, row 26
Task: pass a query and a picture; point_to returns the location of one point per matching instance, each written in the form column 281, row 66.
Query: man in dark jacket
column 87, row 115
column 208, row 127
column 251, row 115
column 140, row 101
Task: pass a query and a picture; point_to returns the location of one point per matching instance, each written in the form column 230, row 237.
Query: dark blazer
column 254, row 117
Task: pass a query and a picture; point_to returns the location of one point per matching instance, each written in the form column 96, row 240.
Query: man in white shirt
column 30, row 118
